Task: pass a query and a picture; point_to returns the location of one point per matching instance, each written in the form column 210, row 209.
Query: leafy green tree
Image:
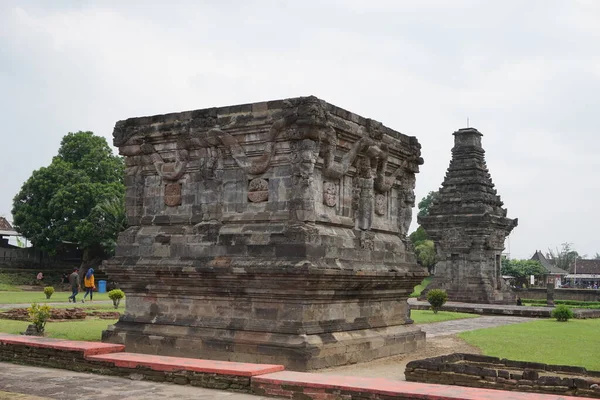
column 564, row 257
column 418, row 236
column 522, row 269
column 56, row 203
column 425, row 251
column 426, row 202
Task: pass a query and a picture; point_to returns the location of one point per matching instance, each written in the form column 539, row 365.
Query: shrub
column 116, row 295
column 562, row 313
column 48, row 291
column 437, row 298
column 38, row 315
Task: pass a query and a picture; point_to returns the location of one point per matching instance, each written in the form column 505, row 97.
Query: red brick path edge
column 261, row 379
column 325, row 387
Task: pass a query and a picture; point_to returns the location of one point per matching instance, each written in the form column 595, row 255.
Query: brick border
column 256, row 379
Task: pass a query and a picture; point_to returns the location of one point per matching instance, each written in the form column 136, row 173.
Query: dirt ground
column 393, row 367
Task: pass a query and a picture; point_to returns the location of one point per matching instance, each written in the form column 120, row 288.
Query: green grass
column 89, row 330
column 15, row 297
column 427, row 316
column 546, row 341
column 6, row 287
column 420, row 287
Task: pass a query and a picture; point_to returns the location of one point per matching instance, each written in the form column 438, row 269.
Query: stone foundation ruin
column 271, row 232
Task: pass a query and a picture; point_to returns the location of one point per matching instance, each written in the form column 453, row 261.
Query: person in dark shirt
column 74, row 282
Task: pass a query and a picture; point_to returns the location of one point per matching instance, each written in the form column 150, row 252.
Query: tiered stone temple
column 271, row 232
column 468, row 225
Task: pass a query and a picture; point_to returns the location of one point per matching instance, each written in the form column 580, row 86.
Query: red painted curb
column 387, row 387
column 165, row 363
column 87, row 348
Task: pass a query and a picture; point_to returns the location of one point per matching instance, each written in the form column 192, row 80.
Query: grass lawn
column 15, row 297
column 546, row 341
column 427, row 316
column 90, row 329
column 420, row 287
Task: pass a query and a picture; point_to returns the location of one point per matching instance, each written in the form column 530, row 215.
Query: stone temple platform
column 271, row 232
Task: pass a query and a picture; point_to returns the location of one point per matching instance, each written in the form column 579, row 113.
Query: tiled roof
column 5, row 225
column 551, row 268
column 585, row 267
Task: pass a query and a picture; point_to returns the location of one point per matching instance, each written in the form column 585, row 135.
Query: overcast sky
column 526, row 73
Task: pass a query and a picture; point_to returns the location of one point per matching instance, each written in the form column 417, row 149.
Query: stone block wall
column 494, row 373
column 271, row 232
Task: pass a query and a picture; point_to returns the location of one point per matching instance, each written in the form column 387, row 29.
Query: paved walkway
column 446, row 328
column 34, row 383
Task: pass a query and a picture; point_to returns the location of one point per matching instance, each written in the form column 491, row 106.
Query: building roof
column 585, row 267
column 548, row 266
column 5, row 225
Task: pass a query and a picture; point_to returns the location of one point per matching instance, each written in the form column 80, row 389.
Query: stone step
column 86, row 348
column 167, row 363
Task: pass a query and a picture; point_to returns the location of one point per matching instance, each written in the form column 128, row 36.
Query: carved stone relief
column 258, row 190
column 173, row 194
column 329, row 194
column 455, row 238
column 380, row 204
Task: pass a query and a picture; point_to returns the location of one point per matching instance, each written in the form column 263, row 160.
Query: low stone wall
column 494, row 373
column 260, row 379
column 560, row 294
column 44, row 353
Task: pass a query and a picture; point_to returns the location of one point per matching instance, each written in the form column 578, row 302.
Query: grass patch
column 89, row 330
column 546, row 341
column 427, row 316
column 421, row 286
column 6, row 287
column 15, row 297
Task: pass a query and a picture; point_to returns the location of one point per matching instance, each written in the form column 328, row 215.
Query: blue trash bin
column 101, row 286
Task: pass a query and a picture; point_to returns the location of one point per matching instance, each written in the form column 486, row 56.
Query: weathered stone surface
column 494, row 373
column 289, row 241
column 469, row 226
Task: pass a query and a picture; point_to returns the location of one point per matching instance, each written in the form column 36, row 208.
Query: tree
column 564, row 257
column 597, row 256
column 418, row 236
column 426, row 202
column 425, row 251
column 56, row 203
column 522, row 269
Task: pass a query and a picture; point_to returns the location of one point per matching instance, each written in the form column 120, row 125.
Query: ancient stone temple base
column 468, row 226
column 270, row 232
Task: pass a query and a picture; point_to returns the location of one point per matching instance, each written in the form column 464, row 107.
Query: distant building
column 6, row 232
column 554, row 274
column 584, row 273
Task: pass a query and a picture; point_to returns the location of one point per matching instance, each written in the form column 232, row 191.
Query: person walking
column 74, row 282
column 89, row 284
